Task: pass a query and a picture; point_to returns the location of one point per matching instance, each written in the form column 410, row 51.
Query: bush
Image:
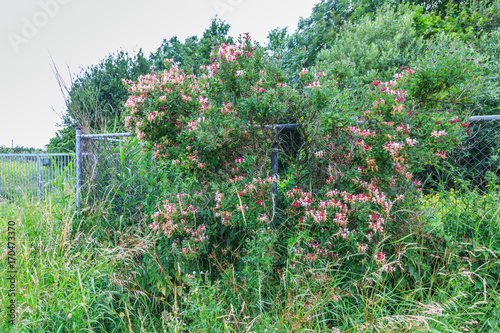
column 372, row 48
column 212, row 130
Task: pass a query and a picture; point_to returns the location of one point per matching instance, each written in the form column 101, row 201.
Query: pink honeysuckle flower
column 127, row 121
column 319, row 153
column 402, row 128
column 263, row 218
column 393, row 146
column 388, row 268
column 151, row 116
column 411, row 142
column 314, row 84
column 131, row 101
column 362, row 247
column 380, row 257
column 438, row 134
column 441, row 154
column 345, row 233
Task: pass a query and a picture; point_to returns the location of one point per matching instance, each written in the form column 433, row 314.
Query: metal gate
column 33, row 175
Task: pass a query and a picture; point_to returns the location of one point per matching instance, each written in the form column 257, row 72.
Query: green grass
column 74, row 277
column 462, row 213
column 66, row 280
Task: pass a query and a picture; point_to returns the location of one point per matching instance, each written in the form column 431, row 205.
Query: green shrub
column 211, row 130
column 372, row 48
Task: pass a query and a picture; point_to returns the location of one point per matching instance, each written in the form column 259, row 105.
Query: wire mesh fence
column 113, row 168
column 107, row 160
column 113, row 172
column 34, row 175
column 476, row 162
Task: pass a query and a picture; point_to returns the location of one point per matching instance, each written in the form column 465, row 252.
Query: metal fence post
column 39, row 179
column 78, row 157
column 274, row 166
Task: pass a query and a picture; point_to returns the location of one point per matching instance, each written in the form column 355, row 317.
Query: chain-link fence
column 113, row 169
column 475, row 162
column 114, row 173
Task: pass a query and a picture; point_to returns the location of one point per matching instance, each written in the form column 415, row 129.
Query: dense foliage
column 343, row 237
column 96, row 98
column 351, row 192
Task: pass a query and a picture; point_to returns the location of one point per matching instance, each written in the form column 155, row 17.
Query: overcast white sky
column 79, row 33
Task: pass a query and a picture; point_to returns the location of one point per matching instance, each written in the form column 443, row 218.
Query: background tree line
column 357, row 41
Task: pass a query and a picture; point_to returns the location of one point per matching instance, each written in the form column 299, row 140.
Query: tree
column 194, row 52
column 63, row 142
column 96, row 99
column 98, row 95
column 372, row 48
column 318, row 31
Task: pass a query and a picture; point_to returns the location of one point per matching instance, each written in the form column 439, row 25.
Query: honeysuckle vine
column 351, row 187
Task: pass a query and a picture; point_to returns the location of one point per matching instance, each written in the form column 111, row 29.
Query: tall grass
column 66, row 280
column 85, row 272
